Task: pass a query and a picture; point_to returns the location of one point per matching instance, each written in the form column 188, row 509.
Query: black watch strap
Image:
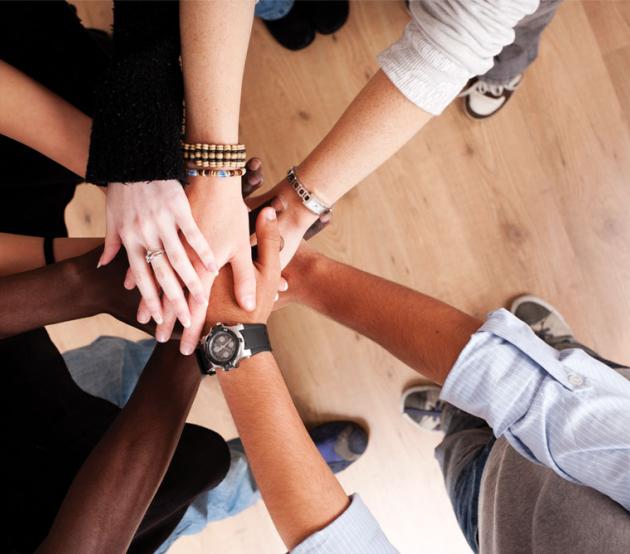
column 256, row 337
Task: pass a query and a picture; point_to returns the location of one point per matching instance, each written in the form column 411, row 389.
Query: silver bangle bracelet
column 311, row 202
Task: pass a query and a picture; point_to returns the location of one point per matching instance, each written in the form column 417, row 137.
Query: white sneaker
column 483, row 99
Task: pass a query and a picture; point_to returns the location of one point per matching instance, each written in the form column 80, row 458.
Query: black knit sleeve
column 138, row 106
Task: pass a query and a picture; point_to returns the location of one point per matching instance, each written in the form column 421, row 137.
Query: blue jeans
column 109, row 368
column 462, row 455
column 270, row 10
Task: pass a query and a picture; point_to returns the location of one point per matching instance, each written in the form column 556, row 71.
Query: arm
column 112, row 491
column 561, row 409
column 445, row 44
column 426, row 334
column 299, row 490
column 38, row 118
column 215, row 37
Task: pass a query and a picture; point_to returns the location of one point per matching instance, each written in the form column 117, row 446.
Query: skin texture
column 426, row 334
column 213, row 32
column 378, row 122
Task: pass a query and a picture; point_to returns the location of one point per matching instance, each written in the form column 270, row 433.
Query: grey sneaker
column 422, row 405
column 545, row 320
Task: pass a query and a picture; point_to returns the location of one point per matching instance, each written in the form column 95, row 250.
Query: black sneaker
column 422, row 406
column 327, row 16
column 294, row 31
column 483, row 99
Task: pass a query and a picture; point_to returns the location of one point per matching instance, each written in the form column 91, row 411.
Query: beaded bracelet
column 216, row 172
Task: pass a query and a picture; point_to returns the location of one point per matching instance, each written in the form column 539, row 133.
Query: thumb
column 110, row 249
column 269, row 241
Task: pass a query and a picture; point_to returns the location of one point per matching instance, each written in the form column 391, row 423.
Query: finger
column 269, row 241
column 110, row 248
column 197, row 241
column 244, row 279
column 144, row 315
column 276, row 203
column 172, row 289
column 145, row 283
column 180, row 262
column 284, row 285
column 253, row 179
column 164, row 331
column 129, row 283
column 192, row 335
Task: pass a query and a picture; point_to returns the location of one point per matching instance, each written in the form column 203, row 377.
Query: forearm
column 23, row 253
column 215, row 37
column 299, row 490
column 113, row 489
column 378, row 122
column 426, row 334
column 36, row 117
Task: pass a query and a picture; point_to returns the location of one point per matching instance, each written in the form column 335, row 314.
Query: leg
column 517, row 57
column 462, row 454
column 549, row 324
column 59, row 425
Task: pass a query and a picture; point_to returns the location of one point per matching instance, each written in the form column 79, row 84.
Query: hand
column 294, row 284
column 294, row 220
column 252, row 180
column 223, row 306
column 148, row 216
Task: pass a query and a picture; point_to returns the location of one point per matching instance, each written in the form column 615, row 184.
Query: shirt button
column 576, row 380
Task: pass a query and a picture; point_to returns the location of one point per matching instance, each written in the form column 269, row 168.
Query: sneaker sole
column 411, row 390
column 536, row 300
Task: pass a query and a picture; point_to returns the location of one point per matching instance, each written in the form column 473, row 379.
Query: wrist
column 296, row 212
column 310, row 274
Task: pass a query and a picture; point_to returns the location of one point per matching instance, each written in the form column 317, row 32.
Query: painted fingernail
column 249, row 302
column 270, row 214
column 284, row 286
column 186, row 349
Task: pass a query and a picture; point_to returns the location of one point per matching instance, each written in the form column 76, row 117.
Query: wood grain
column 533, row 200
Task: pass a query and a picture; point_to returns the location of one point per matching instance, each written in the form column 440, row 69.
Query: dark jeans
column 49, row 427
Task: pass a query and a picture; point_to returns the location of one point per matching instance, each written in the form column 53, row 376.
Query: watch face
column 223, row 347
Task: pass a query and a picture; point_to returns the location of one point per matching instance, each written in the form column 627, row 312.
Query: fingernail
column 186, row 349
column 270, row 214
column 249, row 302
column 276, row 297
column 158, row 319
column 99, row 265
column 212, row 267
column 254, row 164
column 185, row 321
column 160, row 336
column 284, row 286
column 143, row 318
column 278, row 204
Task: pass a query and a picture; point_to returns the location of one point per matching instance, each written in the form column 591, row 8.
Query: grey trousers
column 516, row 58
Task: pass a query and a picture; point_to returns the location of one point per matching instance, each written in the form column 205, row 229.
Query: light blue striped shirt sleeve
column 565, row 409
column 355, row 530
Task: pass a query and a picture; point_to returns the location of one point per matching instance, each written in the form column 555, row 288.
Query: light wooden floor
column 534, row 200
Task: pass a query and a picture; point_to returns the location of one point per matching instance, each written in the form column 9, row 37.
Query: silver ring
column 152, row 254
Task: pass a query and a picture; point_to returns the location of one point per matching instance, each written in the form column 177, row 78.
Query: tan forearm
column 299, row 490
column 378, row 122
column 426, row 334
column 38, row 118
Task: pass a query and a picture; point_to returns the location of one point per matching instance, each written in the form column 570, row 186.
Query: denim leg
column 516, row 57
column 462, row 456
column 270, row 10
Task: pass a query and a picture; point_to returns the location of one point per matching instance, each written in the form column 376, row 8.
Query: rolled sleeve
column 448, row 42
column 565, row 410
column 355, row 530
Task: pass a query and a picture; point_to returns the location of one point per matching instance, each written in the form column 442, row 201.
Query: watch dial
column 224, row 346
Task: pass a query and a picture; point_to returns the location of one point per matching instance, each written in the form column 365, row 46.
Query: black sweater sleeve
column 138, row 107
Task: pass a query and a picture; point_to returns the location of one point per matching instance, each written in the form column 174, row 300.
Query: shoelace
column 497, row 90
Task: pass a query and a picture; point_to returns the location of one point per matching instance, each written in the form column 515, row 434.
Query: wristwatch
column 225, row 346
